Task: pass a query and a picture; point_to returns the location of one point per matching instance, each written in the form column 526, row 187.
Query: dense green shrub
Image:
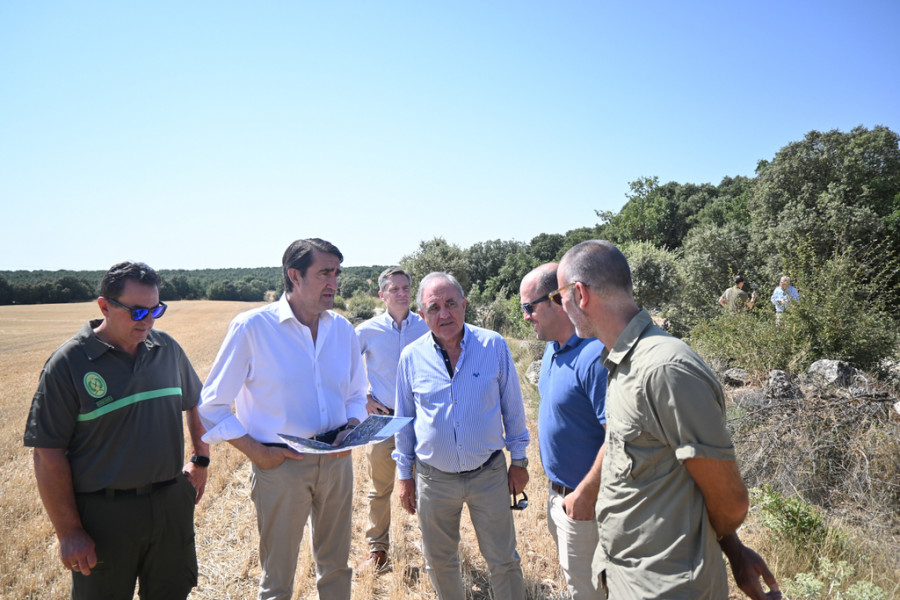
column 503, row 316
column 842, row 315
column 790, row 518
column 831, row 580
column 654, row 273
column 361, row 306
column 749, row 339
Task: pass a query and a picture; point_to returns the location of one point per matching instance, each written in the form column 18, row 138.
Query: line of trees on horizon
column 824, row 211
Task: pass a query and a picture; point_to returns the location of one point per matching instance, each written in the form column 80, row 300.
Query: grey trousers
column 440, row 498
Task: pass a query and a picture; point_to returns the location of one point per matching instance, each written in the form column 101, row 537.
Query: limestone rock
column 780, row 386
column 533, row 373
column 831, row 372
column 737, row 377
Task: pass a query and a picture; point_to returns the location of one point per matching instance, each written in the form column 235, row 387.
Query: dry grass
column 225, row 519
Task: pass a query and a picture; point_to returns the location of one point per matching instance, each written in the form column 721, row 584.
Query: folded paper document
column 374, row 429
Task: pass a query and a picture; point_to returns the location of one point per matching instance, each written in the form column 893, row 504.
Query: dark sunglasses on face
column 520, row 504
column 528, row 307
column 139, row 313
column 556, row 295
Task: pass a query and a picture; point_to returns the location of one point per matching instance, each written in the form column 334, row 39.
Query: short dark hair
column 113, row 283
column 600, row 265
column 738, row 279
column 384, row 278
column 299, row 255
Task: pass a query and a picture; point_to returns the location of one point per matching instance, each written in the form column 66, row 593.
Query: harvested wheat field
column 225, row 518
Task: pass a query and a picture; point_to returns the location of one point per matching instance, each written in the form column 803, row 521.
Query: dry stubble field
column 225, row 518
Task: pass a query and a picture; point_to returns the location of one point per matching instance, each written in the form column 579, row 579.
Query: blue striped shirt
column 381, row 343
column 458, row 423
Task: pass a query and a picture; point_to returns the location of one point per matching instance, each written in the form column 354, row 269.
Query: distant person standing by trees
column 106, row 429
column 735, row 298
column 783, row 295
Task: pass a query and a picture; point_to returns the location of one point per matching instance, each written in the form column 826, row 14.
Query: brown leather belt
column 561, row 489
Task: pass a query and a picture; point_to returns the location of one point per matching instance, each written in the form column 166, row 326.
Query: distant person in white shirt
column 381, row 339
column 293, row 366
column 783, row 295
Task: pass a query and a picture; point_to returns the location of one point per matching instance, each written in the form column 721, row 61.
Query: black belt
column 483, row 465
column 144, row 490
column 561, row 489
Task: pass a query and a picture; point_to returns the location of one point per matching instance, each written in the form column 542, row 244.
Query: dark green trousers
column 140, row 538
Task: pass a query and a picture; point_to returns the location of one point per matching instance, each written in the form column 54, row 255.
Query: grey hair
column 385, row 277
column 600, row 265
column 437, row 275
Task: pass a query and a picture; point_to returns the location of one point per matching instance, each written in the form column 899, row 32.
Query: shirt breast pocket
column 619, row 435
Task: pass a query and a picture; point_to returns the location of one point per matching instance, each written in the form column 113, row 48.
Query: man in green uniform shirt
column 671, row 496
column 106, row 428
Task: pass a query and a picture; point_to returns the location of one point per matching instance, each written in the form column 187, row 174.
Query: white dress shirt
column 270, row 377
column 381, row 343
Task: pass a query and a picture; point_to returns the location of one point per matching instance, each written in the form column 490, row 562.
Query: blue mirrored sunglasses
column 139, row 313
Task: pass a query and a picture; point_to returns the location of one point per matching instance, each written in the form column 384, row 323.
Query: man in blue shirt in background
column 460, row 386
column 571, row 422
column 381, row 339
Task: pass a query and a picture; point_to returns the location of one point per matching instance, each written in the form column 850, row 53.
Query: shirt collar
column 94, row 347
column 390, row 320
column 286, row 313
column 462, row 342
column 627, row 339
column 572, row 343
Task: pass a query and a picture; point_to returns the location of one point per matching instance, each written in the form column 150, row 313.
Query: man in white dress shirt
column 293, row 366
column 381, row 339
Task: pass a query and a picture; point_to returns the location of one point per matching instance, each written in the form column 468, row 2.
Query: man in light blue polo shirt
column 381, row 339
column 460, row 386
column 571, row 420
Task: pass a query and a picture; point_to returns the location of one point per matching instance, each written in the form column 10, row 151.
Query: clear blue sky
column 211, row 134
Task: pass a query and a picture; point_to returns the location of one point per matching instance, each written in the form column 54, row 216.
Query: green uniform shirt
column 119, row 418
column 664, row 405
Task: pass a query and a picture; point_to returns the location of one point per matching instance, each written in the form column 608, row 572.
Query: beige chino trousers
column 318, row 488
column 382, row 471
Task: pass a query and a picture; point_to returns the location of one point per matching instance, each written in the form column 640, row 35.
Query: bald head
column 598, row 264
column 548, row 320
column 541, row 280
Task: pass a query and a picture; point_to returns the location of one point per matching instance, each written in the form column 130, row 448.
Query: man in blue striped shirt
column 460, row 386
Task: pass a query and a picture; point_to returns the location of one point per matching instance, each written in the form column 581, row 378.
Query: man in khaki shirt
column 735, row 298
column 671, row 496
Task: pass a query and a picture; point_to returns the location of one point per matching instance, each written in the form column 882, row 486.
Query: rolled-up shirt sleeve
column 232, row 366
column 691, row 411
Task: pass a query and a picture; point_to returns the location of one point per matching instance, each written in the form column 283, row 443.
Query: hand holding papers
column 374, row 429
